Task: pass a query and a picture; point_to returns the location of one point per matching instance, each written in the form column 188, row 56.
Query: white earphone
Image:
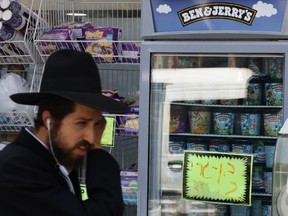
column 48, row 121
column 63, row 170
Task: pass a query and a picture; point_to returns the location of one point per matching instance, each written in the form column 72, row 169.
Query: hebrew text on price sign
column 217, row 177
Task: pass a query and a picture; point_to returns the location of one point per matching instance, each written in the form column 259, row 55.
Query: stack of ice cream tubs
column 244, row 126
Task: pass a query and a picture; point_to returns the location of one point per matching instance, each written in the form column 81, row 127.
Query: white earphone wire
column 62, row 169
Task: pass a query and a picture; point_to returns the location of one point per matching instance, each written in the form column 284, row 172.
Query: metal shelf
column 14, row 121
column 223, row 136
column 17, row 47
column 14, row 118
column 104, row 52
column 240, row 106
column 125, row 16
column 127, row 124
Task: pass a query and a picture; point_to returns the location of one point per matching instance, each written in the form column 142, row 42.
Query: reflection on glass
column 211, row 102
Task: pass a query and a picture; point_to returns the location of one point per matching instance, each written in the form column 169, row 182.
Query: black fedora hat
column 72, row 75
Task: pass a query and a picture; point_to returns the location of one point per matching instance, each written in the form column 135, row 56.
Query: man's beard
column 64, row 154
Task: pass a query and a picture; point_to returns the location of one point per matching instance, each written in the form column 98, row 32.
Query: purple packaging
column 110, row 93
column 130, row 52
column 78, row 29
column 14, row 6
column 129, row 183
column 129, row 180
column 14, row 20
column 9, row 34
column 127, row 124
column 178, row 119
column 134, row 108
column 65, row 38
column 102, row 44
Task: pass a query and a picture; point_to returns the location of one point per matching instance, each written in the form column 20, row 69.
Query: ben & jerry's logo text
column 217, row 10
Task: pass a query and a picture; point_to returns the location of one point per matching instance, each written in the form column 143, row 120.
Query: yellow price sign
column 84, row 194
column 108, row 136
column 217, row 177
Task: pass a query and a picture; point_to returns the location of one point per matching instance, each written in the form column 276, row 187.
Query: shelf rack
column 12, row 120
column 19, row 49
column 124, row 16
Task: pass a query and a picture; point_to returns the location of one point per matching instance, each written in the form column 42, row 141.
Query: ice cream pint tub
column 197, row 145
column 250, row 124
column 223, row 123
column 254, row 94
column 274, row 94
column 200, row 122
column 272, row 124
column 259, row 152
column 257, row 65
column 177, row 146
column 178, row 118
column 258, row 181
column 275, row 67
column 242, row 147
column 219, row 145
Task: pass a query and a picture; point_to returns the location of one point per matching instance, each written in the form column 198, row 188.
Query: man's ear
column 46, row 119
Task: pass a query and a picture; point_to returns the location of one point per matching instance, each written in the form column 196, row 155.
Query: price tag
column 108, row 136
column 84, row 194
column 217, row 177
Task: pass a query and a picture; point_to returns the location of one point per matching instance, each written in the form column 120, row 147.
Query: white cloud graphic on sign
column 164, row 9
column 264, row 9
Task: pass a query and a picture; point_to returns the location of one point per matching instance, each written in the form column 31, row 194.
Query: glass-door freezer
column 210, row 116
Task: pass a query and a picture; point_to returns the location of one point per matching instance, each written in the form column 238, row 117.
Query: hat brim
column 93, row 100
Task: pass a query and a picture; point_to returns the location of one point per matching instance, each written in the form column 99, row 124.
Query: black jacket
column 31, row 183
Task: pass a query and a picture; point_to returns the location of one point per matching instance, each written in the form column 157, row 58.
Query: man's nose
column 90, row 136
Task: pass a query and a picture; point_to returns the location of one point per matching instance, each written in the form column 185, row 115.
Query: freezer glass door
column 213, row 105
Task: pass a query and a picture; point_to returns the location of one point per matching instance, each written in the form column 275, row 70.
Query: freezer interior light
column 76, row 14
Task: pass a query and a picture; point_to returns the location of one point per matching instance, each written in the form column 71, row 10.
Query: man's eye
column 81, row 123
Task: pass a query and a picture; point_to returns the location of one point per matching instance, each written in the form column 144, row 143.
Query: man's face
column 75, row 135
